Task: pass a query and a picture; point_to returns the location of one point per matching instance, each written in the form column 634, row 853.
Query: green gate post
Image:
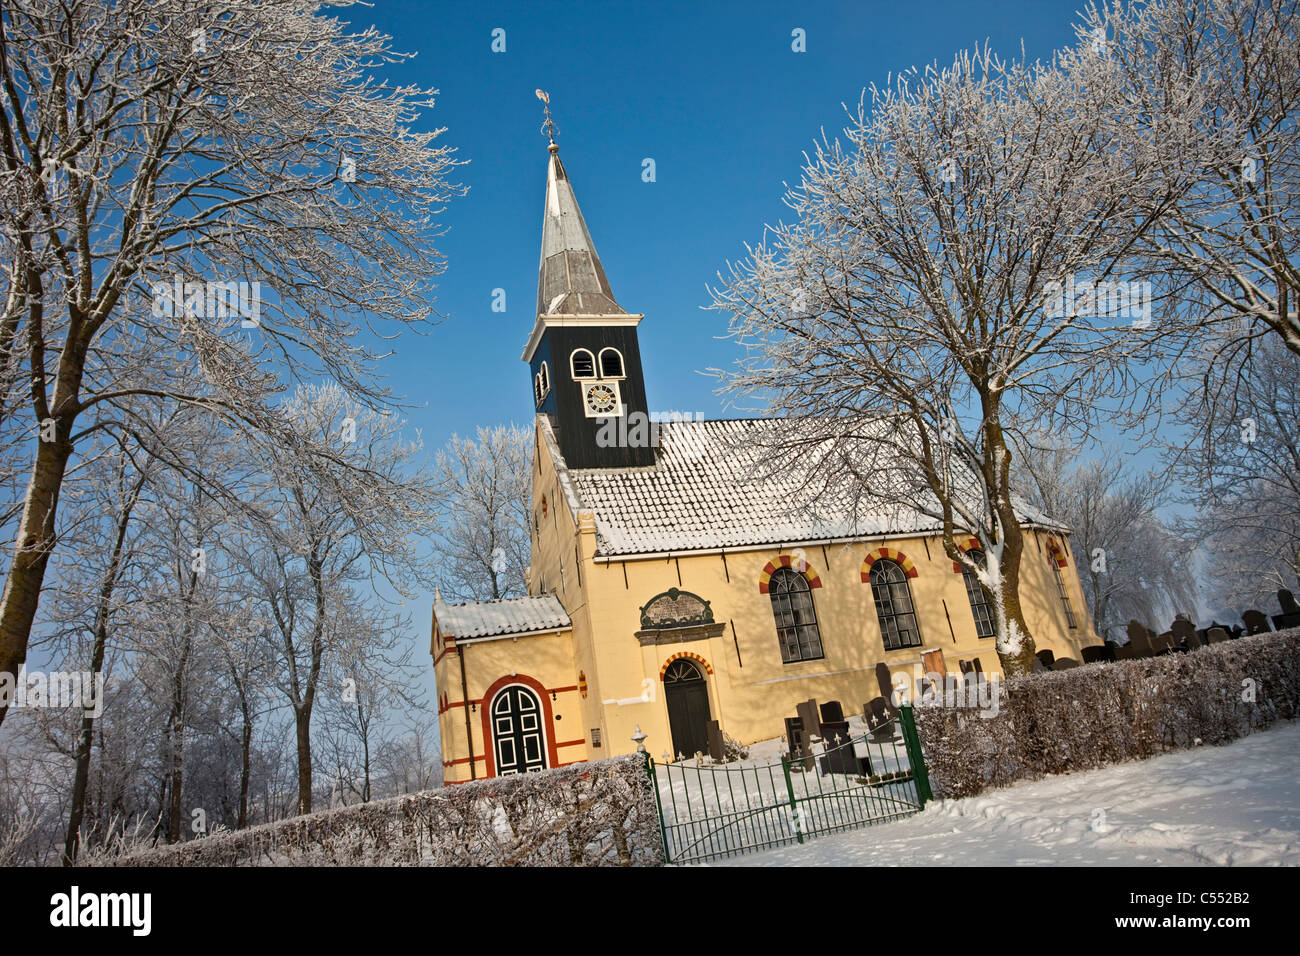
column 913, row 744
column 794, row 806
column 654, row 785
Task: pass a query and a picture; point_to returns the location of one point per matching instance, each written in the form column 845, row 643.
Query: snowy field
column 1238, row 804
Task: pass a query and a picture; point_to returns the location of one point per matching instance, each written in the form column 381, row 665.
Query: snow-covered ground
column 1238, row 804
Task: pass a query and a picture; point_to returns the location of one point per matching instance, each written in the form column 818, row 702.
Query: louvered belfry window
column 796, row 618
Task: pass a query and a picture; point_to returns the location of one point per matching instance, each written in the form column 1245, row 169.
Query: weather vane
column 549, row 126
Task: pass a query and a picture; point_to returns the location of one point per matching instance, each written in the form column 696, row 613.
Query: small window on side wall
column 611, row 363
column 894, row 606
column 582, row 363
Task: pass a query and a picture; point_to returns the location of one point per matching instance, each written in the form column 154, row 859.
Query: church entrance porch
column 687, row 695
column 517, row 731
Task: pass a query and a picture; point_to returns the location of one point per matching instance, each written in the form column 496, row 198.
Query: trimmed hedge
column 589, row 814
column 1100, row 714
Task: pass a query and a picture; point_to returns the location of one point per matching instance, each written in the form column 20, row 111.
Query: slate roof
column 708, row 489
column 571, row 279
column 500, row 618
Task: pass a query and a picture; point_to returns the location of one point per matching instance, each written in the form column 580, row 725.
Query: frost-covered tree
column 484, row 491
column 1244, row 473
column 323, row 529
column 1132, row 565
column 913, row 318
column 154, row 156
column 1208, row 91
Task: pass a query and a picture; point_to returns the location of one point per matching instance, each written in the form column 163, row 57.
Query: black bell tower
column 583, row 352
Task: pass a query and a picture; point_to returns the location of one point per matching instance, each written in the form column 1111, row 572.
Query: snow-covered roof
column 709, row 489
column 500, row 618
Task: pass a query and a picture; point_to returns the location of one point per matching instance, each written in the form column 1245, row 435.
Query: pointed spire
column 571, row 280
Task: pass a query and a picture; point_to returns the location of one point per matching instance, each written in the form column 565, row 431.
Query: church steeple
column 571, row 280
column 583, row 352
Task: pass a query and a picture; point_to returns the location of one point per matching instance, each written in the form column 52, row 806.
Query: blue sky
column 711, row 91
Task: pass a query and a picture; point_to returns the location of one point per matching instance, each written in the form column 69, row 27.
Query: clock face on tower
column 600, row 399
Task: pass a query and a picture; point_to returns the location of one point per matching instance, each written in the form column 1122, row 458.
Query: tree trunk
column 302, row 717
column 32, row 549
column 997, row 477
column 81, row 777
column 245, row 746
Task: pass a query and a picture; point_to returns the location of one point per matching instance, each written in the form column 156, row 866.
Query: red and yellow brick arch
column 795, row 561
column 970, row 544
column 689, row 655
column 1057, row 553
column 890, row 554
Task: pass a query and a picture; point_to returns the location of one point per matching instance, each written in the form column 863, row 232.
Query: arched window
column 582, row 363
column 1070, row 619
column 796, row 618
column 541, row 383
column 611, row 363
column 981, row 602
column 894, row 606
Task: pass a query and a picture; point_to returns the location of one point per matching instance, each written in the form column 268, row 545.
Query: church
column 669, row 587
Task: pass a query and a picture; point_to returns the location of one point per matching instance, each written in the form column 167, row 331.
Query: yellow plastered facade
column 607, row 682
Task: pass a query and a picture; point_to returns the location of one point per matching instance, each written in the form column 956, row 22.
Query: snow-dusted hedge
column 1100, row 714
column 590, row 814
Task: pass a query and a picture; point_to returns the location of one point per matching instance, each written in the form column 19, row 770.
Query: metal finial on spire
column 549, row 126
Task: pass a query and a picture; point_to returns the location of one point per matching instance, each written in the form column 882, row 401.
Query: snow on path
column 1238, row 804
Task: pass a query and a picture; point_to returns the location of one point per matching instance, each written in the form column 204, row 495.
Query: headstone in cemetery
column 810, row 716
column 1047, row 657
column 876, row 713
column 885, row 681
column 1096, row 653
column 1256, row 622
column 1064, row 664
column 1217, row 634
column 800, row 751
column 1164, row 643
column 1124, row 652
column 1139, row 640
column 1184, row 632
column 832, row 711
column 1290, row 616
column 717, row 750
column 840, row 755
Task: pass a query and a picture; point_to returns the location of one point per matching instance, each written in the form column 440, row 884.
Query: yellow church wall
column 750, row 689
column 544, row 663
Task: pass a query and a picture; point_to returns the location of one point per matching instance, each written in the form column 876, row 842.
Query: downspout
column 464, row 696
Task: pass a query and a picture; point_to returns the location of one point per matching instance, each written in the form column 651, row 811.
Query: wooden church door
column 688, row 708
column 517, row 731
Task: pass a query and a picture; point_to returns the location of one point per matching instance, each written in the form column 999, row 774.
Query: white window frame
column 600, row 364
column 574, row 372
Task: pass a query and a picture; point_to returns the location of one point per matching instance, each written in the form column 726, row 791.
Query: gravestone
column 1256, row 622
column 1216, row 635
column 800, row 751
column 832, row 711
column 1139, row 640
column 1184, row 632
column 1290, row 616
column 1047, row 657
column 717, row 749
column 1065, row 664
column 810, row 717
column 876, row 714
column 1097, row 653
column 885, row 681
column 1124, row 652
